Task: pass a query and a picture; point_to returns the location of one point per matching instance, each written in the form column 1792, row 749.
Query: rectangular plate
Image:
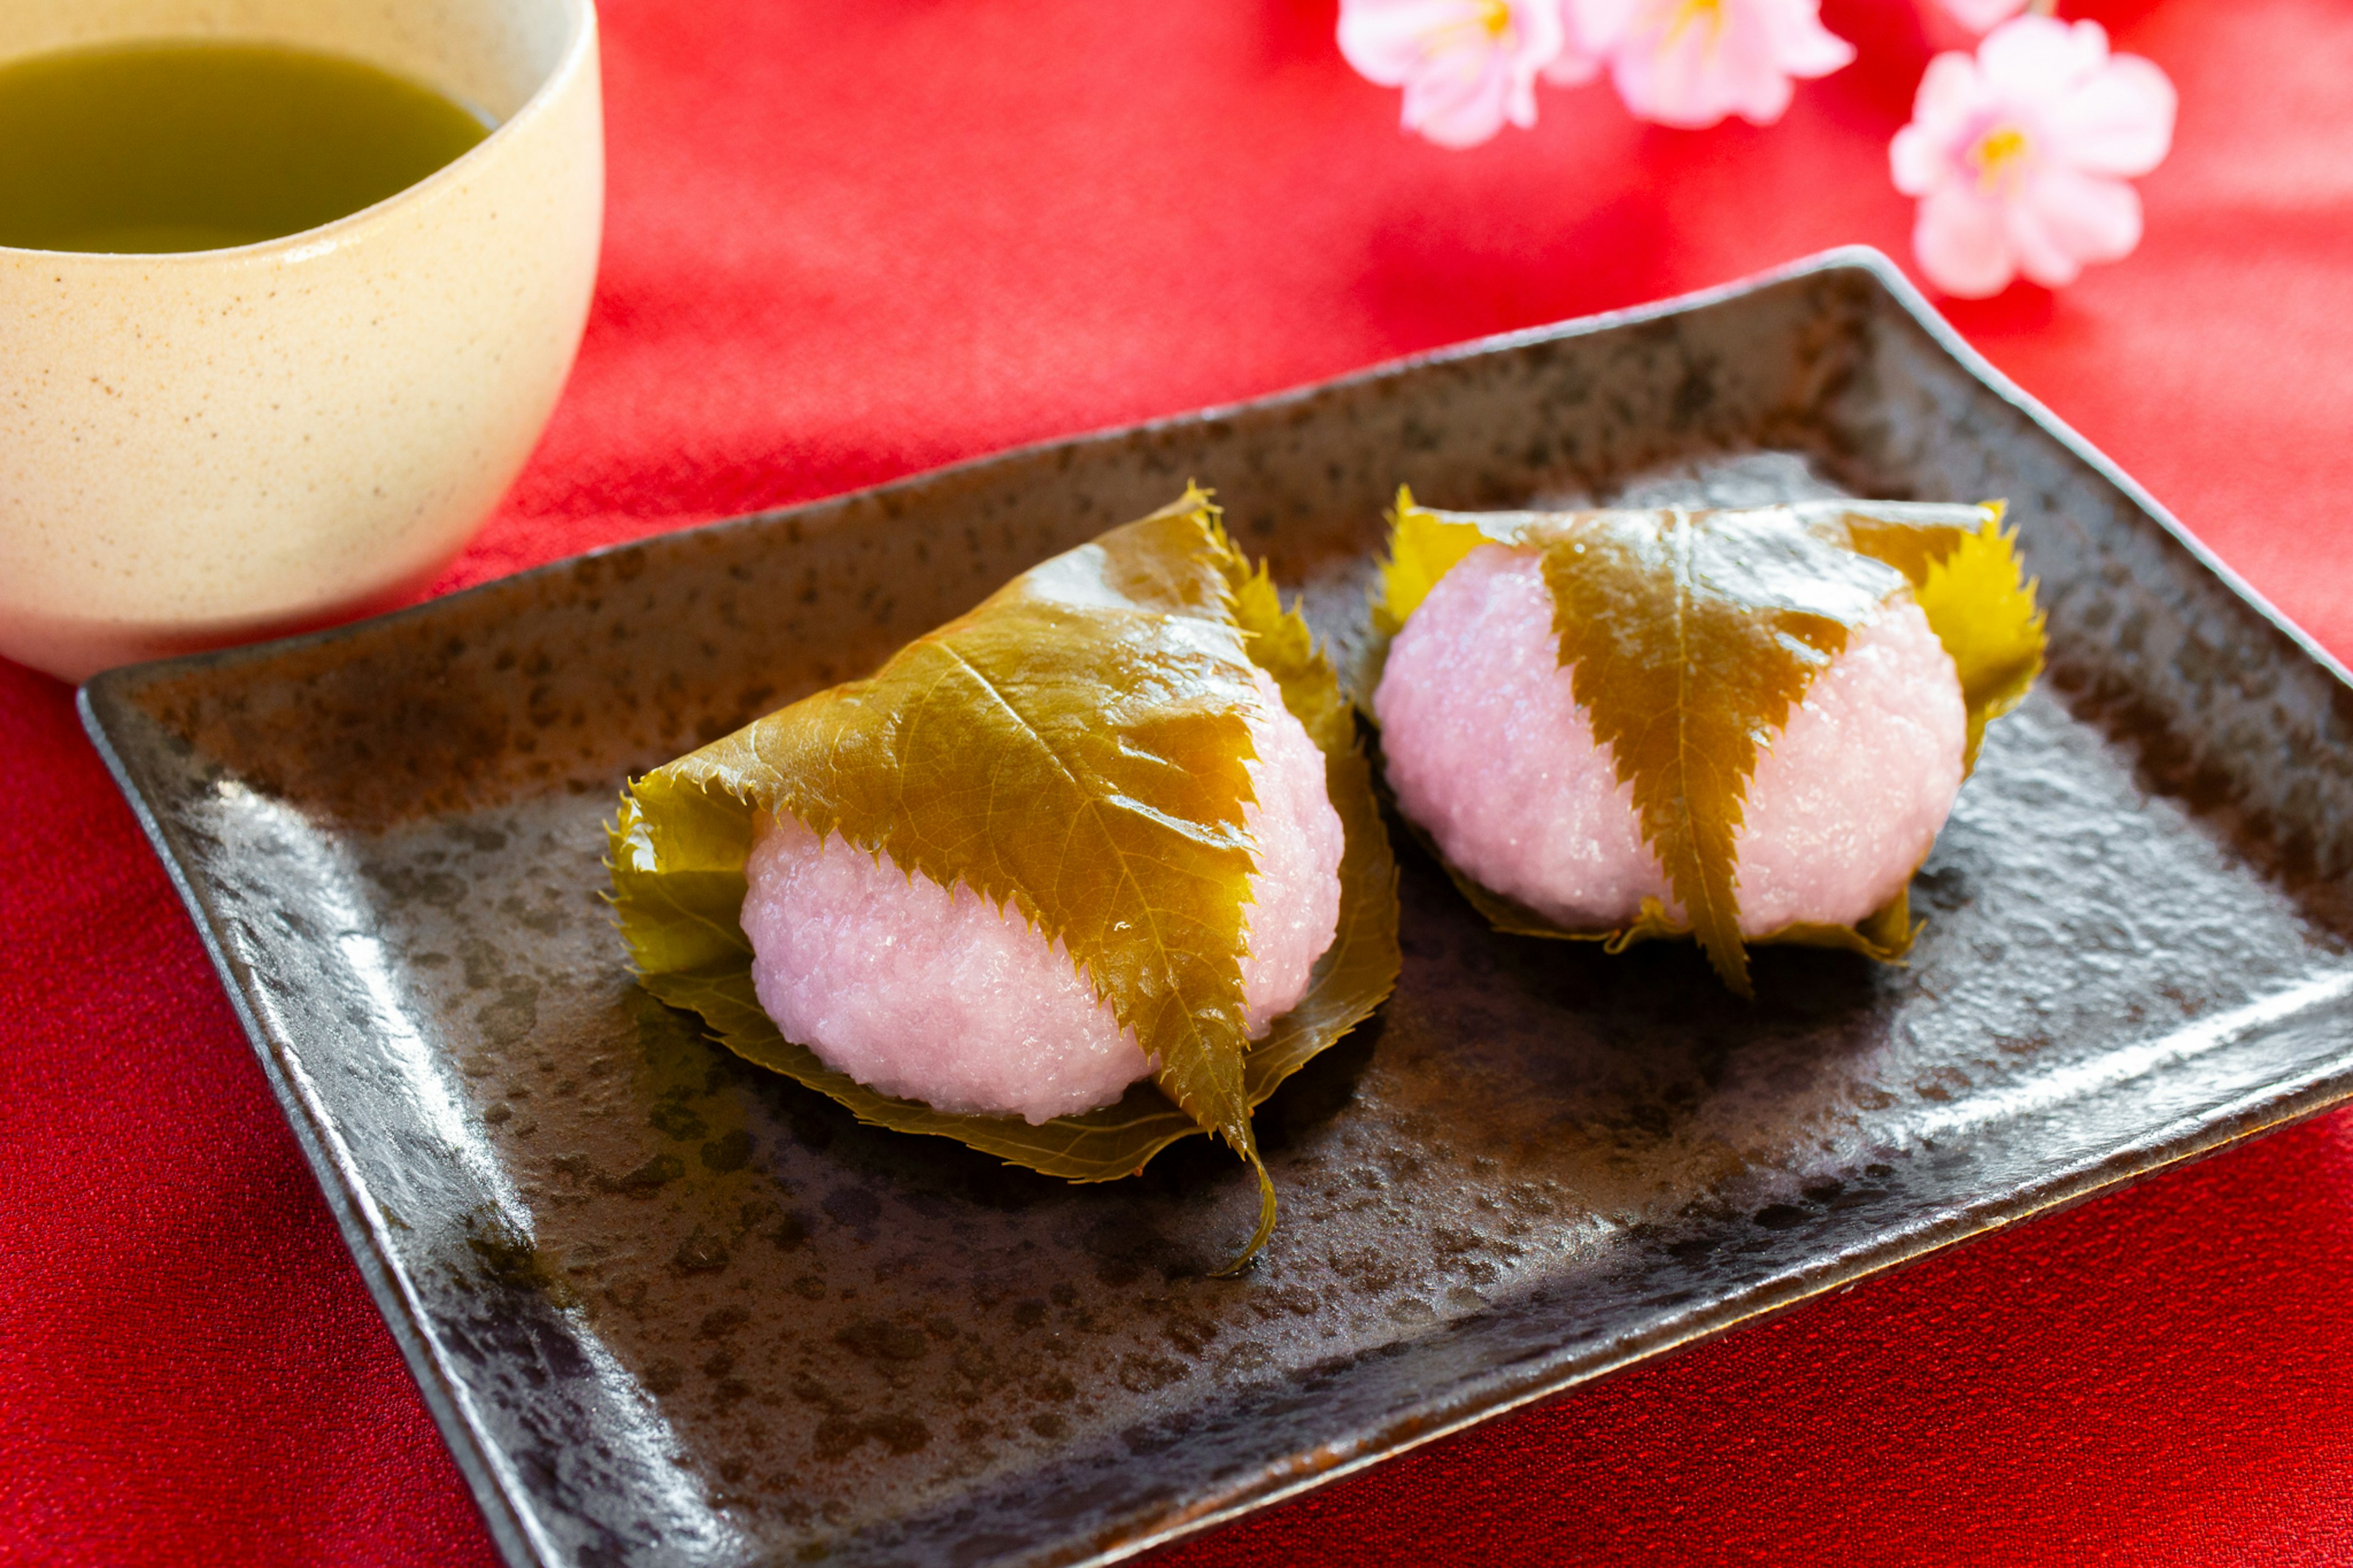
column 668, row 1308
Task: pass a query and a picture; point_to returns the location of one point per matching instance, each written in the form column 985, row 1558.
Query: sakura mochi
column 1739, row 725
column 1112, row 824
column 1487, row 748
column 936, row 995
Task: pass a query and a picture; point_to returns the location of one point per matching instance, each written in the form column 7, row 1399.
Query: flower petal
column 1953, row 92
column 1962, row 244
column 1537, row 36
column 1388, row 41
column 2035, row 59
column 2119, row 122
column 1746, row 59
column 1981, row 16
column 2041, row 256
column 1761, row 97
column 1460, row 106
column 1596, row 28
column 1916, row 163
column 1801, row 45
column 2063, row 220
column 1520, row 101
column 1664, row 80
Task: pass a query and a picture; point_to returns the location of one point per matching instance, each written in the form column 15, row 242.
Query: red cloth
column 850, row 241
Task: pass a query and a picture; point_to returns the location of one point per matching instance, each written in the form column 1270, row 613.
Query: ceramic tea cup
column 205, row 447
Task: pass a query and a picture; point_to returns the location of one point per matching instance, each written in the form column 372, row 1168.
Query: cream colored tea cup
column 201, row 448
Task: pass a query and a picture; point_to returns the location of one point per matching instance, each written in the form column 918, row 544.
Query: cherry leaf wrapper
column 1073, row 747
column 1754, row 603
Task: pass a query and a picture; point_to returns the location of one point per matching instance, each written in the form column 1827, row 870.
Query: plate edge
column 503, row 1513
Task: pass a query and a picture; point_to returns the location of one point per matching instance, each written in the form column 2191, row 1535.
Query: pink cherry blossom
column 1467, row 66
column 2020, row 156
column 1982, row 15
column 1691, row 62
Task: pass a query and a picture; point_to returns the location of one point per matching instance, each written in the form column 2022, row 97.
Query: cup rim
column 321, row 239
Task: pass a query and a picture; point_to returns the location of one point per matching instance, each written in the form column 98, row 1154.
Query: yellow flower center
column 1495, row 16
column 1708, row 13
column 1999, row 156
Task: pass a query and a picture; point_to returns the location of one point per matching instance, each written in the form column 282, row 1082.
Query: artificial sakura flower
column 2020, row 156
column 1691, row 62
column 1982, row 15
column 1467, row 66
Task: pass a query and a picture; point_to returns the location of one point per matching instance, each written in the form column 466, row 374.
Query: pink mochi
column 1488, row 751
column 936, row 995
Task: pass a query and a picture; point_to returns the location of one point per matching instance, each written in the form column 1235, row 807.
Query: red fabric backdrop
column 850, row 241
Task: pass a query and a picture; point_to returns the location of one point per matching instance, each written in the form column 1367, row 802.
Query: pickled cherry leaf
column 1981, row 605
column 1073, row 747
column 1689, row 637
column 1969, row 581
column 1690, row 634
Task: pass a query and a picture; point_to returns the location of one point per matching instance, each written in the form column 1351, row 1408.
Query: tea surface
column 198, row 145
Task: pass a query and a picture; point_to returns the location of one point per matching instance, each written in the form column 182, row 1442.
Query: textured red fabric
column 850, row 241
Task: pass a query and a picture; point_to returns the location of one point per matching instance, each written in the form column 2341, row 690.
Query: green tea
column 197, row 146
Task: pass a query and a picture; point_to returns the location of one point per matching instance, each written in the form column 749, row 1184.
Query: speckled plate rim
column 499, row 1494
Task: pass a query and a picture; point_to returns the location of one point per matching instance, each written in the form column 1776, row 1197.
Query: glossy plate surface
column 669, row 1309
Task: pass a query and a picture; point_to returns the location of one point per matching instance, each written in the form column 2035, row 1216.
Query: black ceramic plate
column 668, row 1307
